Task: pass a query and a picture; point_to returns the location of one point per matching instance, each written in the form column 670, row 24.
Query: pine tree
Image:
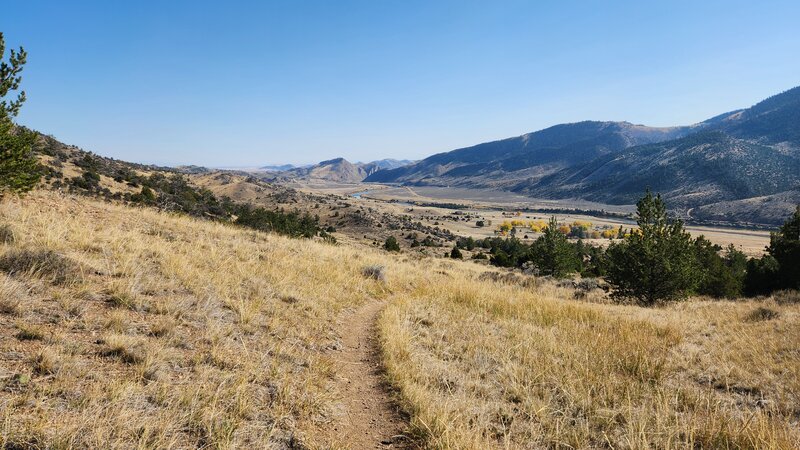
column 455, row 253
column 762, row 276
column 784, row 246
column 552, row 252
column 658, row 262
column 780, row 267
column 19, row 169
column 720, row 277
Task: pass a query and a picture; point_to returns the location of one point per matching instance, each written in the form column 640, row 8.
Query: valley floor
column 427, row 205
column 123, row 327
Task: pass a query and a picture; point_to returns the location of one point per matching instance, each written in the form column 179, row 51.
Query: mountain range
column 337, row 170
column 744, row 154
column 278, row 168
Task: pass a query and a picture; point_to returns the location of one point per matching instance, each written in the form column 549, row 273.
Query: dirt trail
column 369, row 419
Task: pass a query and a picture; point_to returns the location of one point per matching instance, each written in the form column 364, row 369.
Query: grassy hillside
column 151, row 330
column 125, row 327
column 486, row 365
column 218, row 195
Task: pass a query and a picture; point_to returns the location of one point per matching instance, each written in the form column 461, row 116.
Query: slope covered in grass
column 163, row 331
column 123, row 327
column 508, row 366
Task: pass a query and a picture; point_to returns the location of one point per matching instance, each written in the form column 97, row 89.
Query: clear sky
column 246, row 83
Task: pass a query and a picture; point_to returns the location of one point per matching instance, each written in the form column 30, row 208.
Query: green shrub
column 780, row 267
column 429, row 242
column 391, row 244
column 146, row 196
column 327, row 237
column 19, row 169
column 762, row 276
column 290, row 224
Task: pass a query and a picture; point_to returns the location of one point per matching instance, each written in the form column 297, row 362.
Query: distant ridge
column 338, row 170
column 747, row 153
column 278, row 168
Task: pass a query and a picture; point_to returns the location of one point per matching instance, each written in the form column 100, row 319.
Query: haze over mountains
column 743, row 154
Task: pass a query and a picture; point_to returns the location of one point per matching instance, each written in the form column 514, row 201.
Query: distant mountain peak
column 329, row 162
column 340, row 170
column 741, row 153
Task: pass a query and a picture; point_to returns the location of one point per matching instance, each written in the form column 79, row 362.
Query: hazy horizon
column 198, row 83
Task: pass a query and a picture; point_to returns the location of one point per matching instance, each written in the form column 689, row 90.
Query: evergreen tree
column 736, row 261
column 391, row 244
column 552, row 252
column 780, row 267
column 762, row 276
column 19, row 170
column 720, row 277
column 455, row 253
column 655, row 263
column 467, row 243
column 501, row 259
column 784, row 246
column 591, row 259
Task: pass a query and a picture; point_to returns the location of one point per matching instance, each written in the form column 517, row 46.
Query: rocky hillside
column 383, row 164
column 738, row 155
column 769, row 209
column 529, row 157
column 699, row 169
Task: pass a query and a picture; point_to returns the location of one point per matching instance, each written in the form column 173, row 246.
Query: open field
column 150, row 330
column 507, row 365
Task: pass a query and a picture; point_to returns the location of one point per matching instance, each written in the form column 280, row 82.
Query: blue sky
column 241, row 83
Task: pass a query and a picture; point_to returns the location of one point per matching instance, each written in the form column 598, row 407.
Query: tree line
column 659, row 261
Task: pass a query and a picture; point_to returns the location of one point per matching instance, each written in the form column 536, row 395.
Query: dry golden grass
column 159, row 331
column 169, row 332
column 495, row 365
